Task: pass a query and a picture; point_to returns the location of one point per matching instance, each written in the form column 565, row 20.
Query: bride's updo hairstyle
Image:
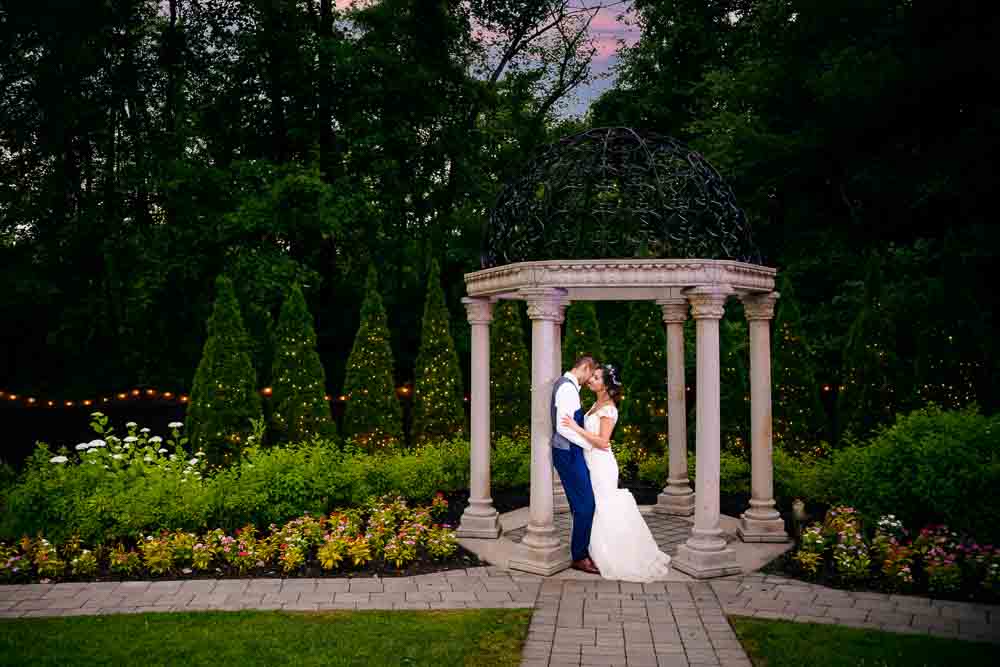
column 612, row 382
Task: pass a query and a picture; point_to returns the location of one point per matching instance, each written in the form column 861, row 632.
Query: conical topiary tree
column 437, row 397
column 372, row 416
column 300, row 409
column 510, row 371
column 644, row 402
column 224, row 394
column 582, row 335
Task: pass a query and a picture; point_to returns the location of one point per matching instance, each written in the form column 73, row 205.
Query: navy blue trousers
column 575, row 476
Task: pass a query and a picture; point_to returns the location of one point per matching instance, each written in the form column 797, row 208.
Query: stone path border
column 576, row 621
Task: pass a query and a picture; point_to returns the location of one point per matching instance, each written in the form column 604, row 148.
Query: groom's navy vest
column 558, row 441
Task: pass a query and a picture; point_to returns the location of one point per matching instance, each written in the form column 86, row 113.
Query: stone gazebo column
column 541, row 550
column 480, row 518
column 705, row 554
column 560, row 504
column 677, row 497
column 761, row 523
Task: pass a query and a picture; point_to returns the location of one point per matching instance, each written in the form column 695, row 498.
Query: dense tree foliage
column 147, row 146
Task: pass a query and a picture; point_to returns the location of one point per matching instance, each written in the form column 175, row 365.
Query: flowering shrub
column 811, row 549
column 441, row 541
column 10, row 562
column 897, row 566
column 182, row 547
column 84, row 565
column 157, row 554
column 124, row 562
column 938, row 559
column 46, row 559
column 889, row 533
column 851, row 557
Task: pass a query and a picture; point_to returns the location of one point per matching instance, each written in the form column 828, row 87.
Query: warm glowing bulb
column 267, row 391
column 184, row 398
column 135, row 392
column 168, row 394
column 88, row 402
column 31, row 400
column 69, row 404
column 150, row 392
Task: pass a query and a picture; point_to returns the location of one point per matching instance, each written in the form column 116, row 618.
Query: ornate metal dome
column 615, row 193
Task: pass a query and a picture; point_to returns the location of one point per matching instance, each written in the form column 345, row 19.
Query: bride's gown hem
column 621, row 544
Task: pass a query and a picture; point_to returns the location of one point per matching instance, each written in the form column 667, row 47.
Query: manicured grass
column 437, row 638
column 788, row 644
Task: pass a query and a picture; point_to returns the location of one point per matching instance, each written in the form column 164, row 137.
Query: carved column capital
column 759, row 306
column 545, row 304
column 708, row 302
column 479, row 309
column 675, row 311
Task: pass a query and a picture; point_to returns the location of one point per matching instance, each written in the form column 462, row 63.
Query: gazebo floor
column 668, row 531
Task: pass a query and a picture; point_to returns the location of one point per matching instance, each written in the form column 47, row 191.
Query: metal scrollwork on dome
column 617, row 193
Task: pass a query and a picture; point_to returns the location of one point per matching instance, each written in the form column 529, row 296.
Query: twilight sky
column 607, row 31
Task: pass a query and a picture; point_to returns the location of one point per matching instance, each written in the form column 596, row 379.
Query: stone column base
column 675, row 504
column 483, row 526
column 545, row 561
column 706, row 564
column 761, row 530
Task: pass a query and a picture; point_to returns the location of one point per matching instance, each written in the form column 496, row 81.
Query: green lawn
column 788, row 644
column 437, row 638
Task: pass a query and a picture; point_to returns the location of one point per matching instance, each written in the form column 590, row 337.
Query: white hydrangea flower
column 107, row 467
column 98, row 443
column 161, row 450
column 173, row 457
column 82, row 446
column 96, row 414
column 175, row 425
column 143, row 430
column 193, row 461
column 131, row 438
column 58, row 459
column 130, row 424
column 117, row 457
column 199, row 453
column 156, row 439
column 147, row 458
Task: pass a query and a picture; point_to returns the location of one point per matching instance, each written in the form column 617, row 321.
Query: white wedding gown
column 620, row 542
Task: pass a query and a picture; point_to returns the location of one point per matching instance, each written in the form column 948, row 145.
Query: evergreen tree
column 582, row 335
column 644, row 401
column 299, row 381
column 372, row 415
column 510, row 371
column 438, row 412
column 224, row 394
column 798, row 415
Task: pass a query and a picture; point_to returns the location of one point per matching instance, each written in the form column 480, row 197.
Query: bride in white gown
column 620, row 542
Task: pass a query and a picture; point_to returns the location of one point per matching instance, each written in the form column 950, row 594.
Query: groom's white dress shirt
column 567, row 403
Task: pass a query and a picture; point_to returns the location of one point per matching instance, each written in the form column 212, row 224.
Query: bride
column 620, row 542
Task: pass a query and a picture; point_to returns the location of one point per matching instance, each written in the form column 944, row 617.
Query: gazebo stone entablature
column 655, row 194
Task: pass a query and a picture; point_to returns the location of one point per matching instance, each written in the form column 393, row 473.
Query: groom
column 567, row 456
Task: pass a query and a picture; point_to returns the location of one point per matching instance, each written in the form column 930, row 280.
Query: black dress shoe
column 585, row 565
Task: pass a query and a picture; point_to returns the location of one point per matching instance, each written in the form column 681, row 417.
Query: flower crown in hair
column 612, row 373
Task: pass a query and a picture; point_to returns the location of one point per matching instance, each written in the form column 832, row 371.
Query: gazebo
column 616, row 214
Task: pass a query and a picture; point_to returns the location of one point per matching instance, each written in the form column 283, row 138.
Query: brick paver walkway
column 668, row 531
column 576, row 621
